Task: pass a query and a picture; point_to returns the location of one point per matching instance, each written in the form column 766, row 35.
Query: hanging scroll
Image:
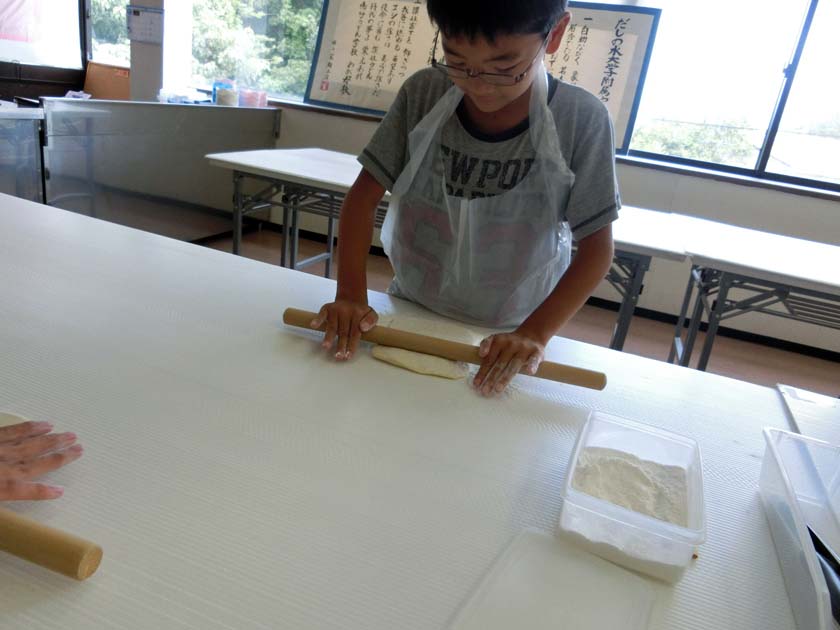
column 367, row 48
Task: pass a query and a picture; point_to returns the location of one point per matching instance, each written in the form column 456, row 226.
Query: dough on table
column 425, row 363
column 7, row 418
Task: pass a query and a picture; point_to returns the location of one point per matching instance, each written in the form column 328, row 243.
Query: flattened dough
column 7, row 418
column 424, row 363
column 421, row 363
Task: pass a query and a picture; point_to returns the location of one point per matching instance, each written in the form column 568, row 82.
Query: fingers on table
column 488, row 350
column 355, row 334
column 492, row 375
column 23, row 430
column 32, row 447
column 500, row 373
column 16, row 490
column 513, row 367
column 320, row 318
column 362, row 322
column 40, row 465
column 369, row 320
column 501, row 362
column 332, row 329
column 345, row 330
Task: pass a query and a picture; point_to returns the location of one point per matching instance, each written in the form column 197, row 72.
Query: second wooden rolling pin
column 48, row 547
column 453, row 350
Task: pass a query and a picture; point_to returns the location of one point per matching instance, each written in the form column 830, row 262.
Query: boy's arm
column 349, row 315
column 589, row 267
column 504, row 355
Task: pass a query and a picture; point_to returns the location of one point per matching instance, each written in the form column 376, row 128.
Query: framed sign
column 367, row 48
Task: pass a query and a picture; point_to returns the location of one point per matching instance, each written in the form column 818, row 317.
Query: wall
column 759, row 208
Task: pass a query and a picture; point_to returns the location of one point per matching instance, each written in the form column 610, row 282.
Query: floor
column 737, row 359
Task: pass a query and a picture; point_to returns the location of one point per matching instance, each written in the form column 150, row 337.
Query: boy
column 490, row 162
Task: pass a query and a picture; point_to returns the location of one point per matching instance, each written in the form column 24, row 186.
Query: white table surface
column 763, row 255
column 649, row 232
column 329, row 170
column 237, row 478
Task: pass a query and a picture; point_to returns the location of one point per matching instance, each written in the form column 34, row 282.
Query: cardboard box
column 107, row 82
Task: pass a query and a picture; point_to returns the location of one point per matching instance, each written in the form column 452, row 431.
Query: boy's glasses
column 493, row 78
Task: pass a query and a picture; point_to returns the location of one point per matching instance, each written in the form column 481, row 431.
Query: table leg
column 293, row 244
column 714, row 320
column 237, row 212
column 675, row 352
column 330, row 247
column 287, row 218
column 628, row 304
column 694, row 322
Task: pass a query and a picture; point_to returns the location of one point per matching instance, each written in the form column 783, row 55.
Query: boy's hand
column 503, row 356
column 346, row 321
column 29, row 450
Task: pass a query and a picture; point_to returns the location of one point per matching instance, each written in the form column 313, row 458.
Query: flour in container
column 625, row 480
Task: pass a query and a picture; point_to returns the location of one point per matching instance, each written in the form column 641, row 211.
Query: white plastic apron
column 489, row 261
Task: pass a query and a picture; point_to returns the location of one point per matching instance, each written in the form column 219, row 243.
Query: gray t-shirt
column 478, row 164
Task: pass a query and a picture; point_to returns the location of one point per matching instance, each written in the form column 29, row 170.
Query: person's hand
column 29, row 450
column 503, row 356
column 346, row 321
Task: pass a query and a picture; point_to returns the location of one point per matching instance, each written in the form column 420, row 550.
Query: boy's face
column 507, row 54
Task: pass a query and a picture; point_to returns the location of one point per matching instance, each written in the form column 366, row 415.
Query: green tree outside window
column 262, row 44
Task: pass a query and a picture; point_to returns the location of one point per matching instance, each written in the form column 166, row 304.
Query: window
column 716, row 86
column 261, row 44
column 808, row 142
column 714, row 78
column 108, row 32
column 41, row 33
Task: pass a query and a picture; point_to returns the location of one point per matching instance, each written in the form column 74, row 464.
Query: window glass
column 808, row 141
column 714, row 78
column 108, row 32
column 260, row 44
column 41, row 33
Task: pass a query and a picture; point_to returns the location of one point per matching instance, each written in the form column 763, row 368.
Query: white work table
column 737, row 270
column 649, row 233
column 329, row 170
column 238, row 478
column 315, row 181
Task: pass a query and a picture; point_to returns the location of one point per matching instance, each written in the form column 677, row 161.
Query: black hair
column 491, row 18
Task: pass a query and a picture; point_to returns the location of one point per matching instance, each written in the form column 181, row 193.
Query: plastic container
column 800, row 487
column 628, row 538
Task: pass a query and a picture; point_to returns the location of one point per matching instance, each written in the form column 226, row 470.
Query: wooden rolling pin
column 453, row 350
column 48, row 547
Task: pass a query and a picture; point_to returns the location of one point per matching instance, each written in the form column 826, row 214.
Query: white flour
column 642, row 486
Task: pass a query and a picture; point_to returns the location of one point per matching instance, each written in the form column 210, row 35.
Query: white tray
column 543, row 583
